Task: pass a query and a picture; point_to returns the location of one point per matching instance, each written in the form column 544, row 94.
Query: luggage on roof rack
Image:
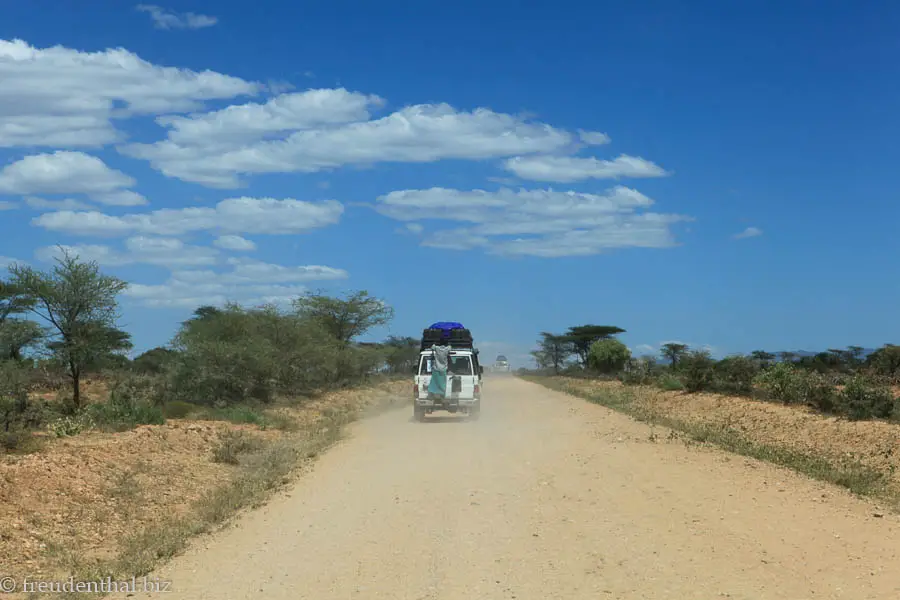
column 446, row 325
column 447, row 333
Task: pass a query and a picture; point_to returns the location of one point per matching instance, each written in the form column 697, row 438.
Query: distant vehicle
column 501, row 365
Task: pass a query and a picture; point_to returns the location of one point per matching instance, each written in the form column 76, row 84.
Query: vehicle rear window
column 459, row 365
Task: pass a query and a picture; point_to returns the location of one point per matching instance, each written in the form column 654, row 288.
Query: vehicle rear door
column 462, row 370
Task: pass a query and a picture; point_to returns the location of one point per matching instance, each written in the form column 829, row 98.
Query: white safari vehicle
column 464, row 383
column 501, row 365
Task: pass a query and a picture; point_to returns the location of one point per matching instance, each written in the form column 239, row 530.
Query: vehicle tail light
column 477, row 389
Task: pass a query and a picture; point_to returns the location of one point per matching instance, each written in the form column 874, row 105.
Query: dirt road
column 545, row 497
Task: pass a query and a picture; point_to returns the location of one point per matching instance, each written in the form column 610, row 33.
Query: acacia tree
column 553, row 351
column 673, row 351
column 886, row 360
column 855, row 355
column 345, row 318
column 787, row 356
column 80, row 304
column 762, row 357
column 15, row 333
column 581, row 337
column 401, row 354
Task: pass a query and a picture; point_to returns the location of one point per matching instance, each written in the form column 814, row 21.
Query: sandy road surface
column 545, row 497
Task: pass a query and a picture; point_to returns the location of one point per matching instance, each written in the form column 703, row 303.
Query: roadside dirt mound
column 85, row 494
column 874, row 444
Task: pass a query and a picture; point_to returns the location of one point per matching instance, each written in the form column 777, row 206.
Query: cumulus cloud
column 166, row 19
column 748, row 233
column 6, row 205
column 234, row 215
column 593, row 138
column 534, row 222
column 415, row 134
column 248, row 282
column 38, row 203
column 64, row 98
column 65, row 172
column 233, row 126
column 566, row 169
column 167, row 252
column 234, row 242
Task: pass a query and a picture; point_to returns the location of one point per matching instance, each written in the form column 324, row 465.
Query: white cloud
column 415, row 228
column 166, row 19
column 556, row 223
column 61, row 97
column 748, row 233
column 248, row 282
column 63, row 204
column 415, row 134
column 65, row 172
column 167, row 252
column 234, row 215
column 593, row 138
column 233, row 126
column 566, row 169
column 234, row 242
column 6, row 205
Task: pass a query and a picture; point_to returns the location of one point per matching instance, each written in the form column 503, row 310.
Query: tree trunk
column 76, row 385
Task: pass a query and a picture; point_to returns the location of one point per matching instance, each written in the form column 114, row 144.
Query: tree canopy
column 582, row 336
column 80, row 303
column 345, row 318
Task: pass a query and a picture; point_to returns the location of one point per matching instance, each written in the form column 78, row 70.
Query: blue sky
column 513, row 167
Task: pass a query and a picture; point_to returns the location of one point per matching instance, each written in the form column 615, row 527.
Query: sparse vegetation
column 837, row 382
column 264, row 373
column 844, row 384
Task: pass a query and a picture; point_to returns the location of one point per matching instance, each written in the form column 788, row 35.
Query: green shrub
column 236, row 355
column 862, row 400
column 697, row 370
column 239, row 414
column 69, row 425
column 781, row 382
column 670, row 382
column 608, row 355
column 635, row 377
column 132, row 402
column 791, row 385
column 820, row 393
column 178, row 409
column 19, row 441
column 11, row 440
column 734, row 375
